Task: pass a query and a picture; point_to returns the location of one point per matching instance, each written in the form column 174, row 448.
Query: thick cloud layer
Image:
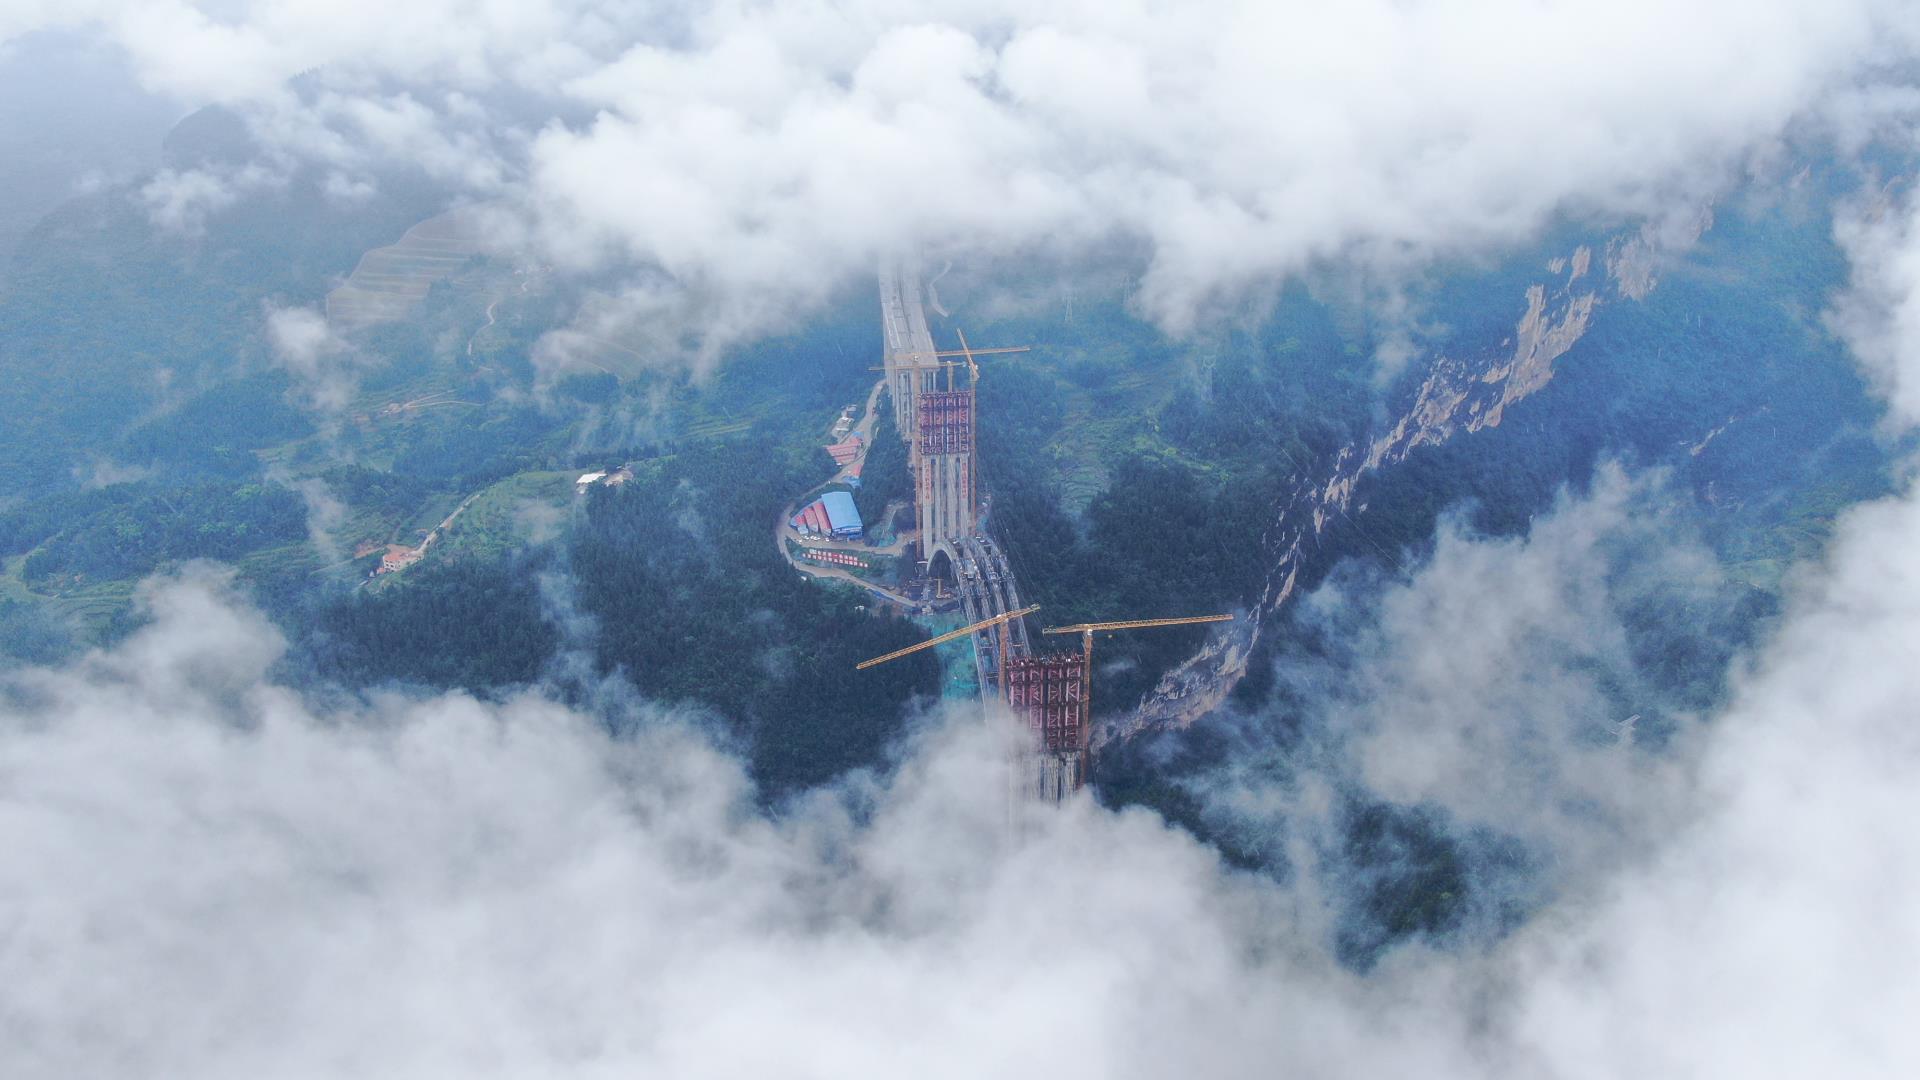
column 207, row 877
column 1777, row 933
column 210, row 876
column 1511, row 689
column 758, row 154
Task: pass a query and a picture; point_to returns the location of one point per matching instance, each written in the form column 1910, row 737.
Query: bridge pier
column 939, row 428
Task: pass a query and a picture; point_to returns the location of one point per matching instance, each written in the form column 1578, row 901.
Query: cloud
column 348, row 190
column 756, row 155
column 1784, row 912
column 325, row 368
column 1879, row 311
column 439, row 887
column 327, row 514
column 212, row 874
column 179, row 201
column 102, row 472
column 1519, row 687
column 247, row 880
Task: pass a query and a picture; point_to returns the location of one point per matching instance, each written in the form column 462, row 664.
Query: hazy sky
column 762, row 153
column 209, row 876
column 71, row 117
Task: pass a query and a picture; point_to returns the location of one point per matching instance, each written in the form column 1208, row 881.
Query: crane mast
column 1053, row 694
column 1087, row 630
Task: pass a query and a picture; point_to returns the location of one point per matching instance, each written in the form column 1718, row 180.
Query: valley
column 1118, row 471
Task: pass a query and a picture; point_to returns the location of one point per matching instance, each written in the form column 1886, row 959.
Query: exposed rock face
column 1459, row 395
column 1582, row 258
column 1633, row 263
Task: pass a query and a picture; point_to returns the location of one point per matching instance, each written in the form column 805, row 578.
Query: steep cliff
column 1460, row 395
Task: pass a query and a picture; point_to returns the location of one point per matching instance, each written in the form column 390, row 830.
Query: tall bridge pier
column 937, row 422
column 1051, row 692
column 946, row 503
column 937, row 419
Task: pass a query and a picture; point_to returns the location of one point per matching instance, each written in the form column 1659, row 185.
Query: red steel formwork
column 946, row 422
column 1050, row 692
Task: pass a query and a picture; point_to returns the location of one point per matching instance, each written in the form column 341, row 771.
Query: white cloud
column 342, row 188
column 444, row 887
column 1496, row 684
column 761, row 153
column 1879, row 313
column 1775, row 933
column 245, row 882
column 327, row 514
column 324, row 367
column 180, row 201
column 209, row 875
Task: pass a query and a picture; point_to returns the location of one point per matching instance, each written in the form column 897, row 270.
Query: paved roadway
column 782, row 531
column 990, row 589
column 903, row 319
column 864, row 428
column 902, row 314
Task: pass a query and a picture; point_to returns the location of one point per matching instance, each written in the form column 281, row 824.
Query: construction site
column 958, row 569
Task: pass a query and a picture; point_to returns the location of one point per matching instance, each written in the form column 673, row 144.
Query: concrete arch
column 944, row 563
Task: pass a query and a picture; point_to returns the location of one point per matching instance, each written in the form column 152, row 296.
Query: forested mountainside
column 1130, row 472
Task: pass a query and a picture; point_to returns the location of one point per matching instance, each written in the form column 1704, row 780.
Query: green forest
column 1131, row 475
column 886, row 475
column 132, row 529
column 692, row 601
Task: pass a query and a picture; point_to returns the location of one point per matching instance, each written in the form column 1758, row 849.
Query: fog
column 734, row 163
column 211, row 873
column 72, row 118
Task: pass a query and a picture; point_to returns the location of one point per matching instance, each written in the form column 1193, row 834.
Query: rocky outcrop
column 1459, row 395
column 1633, row 262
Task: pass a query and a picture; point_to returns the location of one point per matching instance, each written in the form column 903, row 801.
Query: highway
column 987, row 588
column 983, row 576
column 903, row 316
column 909, row 341
column 783, row 532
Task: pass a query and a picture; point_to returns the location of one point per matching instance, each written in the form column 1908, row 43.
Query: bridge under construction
column 934, row 406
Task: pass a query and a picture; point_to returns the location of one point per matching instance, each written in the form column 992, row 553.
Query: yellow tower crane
column 1087, row 630
column 943, row 353
column 946, row 637
column 973, row 369
column 963, row 350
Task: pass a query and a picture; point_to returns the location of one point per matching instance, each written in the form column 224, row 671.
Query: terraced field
column 91, row 605
column 390, row 280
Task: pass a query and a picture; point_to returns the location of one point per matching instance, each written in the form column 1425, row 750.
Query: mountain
column 179, row 392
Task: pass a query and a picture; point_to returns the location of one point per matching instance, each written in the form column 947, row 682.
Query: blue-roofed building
column 842, row 516
column 831, row 515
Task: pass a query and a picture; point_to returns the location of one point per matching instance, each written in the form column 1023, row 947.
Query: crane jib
column 946, row 637
column 1134, row 624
